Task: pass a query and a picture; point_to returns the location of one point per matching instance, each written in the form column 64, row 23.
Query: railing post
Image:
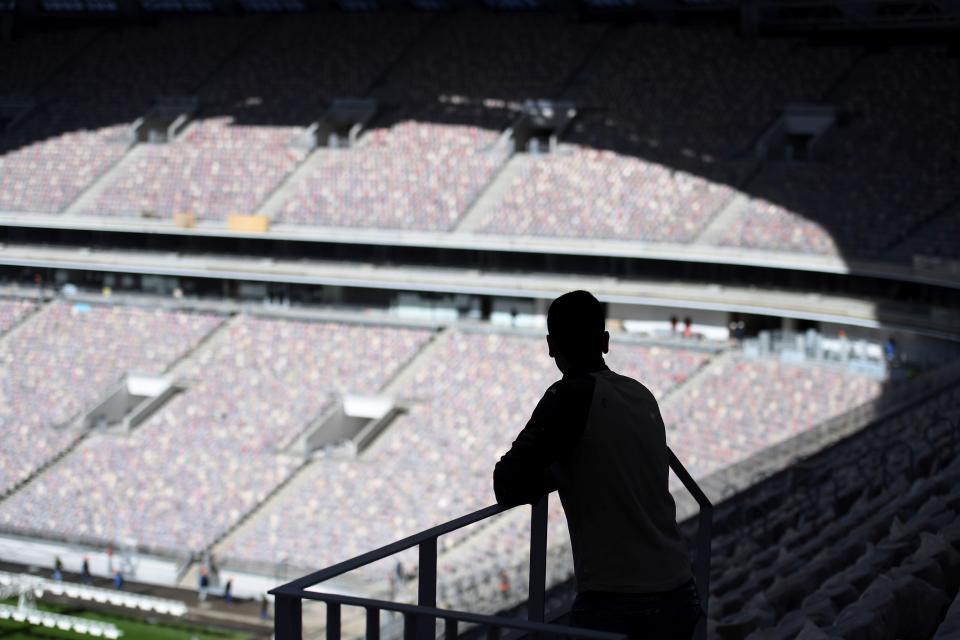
column 373, row 623
column 333, row 621
column 538, row 560
column 288, row 618
column 427, row 588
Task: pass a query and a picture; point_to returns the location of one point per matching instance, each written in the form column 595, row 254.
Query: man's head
column 576, row 326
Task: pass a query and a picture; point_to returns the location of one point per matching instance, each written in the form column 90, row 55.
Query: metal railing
column 420, row 620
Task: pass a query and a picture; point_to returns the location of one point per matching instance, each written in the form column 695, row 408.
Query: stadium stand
column 242, row 147
column 938, row 239
column 289, row 71
column 414, row 175
column 465, row 407
column 670, row 113
column 12, row 311
column 474, row 575
column 696, row 97
column 209, row 456
column 859, row 541
column 52, row 159
column 84, row 124
column 212, row 170
column 173, row 57
column 27, row 61
column 773, row 227
column 743, row 406
column 582, row 192
column 484, row 57
column 890, row 168
column 418, row 454
column 64, row 358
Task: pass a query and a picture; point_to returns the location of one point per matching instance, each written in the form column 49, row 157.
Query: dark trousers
column 666, row 614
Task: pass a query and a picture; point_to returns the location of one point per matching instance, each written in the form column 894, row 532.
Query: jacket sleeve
column 523, row 474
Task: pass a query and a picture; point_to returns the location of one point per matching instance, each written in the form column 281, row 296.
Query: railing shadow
column 419, row 620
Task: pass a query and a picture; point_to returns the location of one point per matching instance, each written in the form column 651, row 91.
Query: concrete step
column 86, row 201
column 514, row 169
column 272, row 204
column 729, row 214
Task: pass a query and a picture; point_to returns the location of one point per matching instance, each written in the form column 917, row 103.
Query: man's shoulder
column 612, row 377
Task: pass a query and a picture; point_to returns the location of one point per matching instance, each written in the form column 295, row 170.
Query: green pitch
column 133, row 629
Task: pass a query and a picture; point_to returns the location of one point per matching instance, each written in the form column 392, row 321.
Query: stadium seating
column 172, row 57
column 64, row 359
column 583, row 192
column 468, row 404
column 414, row 175
column 744, row 406
column 938, row 239
column 478, row 56
column 861, row 541
column 48, row 163
column 213, row 170
column 769, row 226
column 82, row 127
column 884, row 173
column 12, row 311
column 192, row 470
column 697, row 97
column 29, row 59
column 287, row 73
column 667, row 120
column 712, row 423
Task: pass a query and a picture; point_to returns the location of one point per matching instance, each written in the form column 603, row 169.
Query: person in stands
column 598, row 437
column 85, row 574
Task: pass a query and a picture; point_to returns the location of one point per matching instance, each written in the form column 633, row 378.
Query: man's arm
column 554, row 429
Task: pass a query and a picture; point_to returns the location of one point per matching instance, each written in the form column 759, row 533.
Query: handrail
column 396, row 547
column 420, row 620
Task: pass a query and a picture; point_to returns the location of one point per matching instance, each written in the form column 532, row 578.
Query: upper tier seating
column 29, row 59
column 191, row 471
column 82, row 125
column 64, row 359
column 48, row 163
column 696, row 97
column 892, row 166
column 212, row 170
column 678, row 108
column 287, row 73
column 583, row 192
column 479, row 56
column 413, row 175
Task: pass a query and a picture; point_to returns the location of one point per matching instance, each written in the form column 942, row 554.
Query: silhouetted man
column 598, row 437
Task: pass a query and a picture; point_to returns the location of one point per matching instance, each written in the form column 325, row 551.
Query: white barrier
column 57, row 621
column 96, row 594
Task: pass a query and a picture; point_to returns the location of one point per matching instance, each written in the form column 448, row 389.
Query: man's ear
column 550, row 347
column 606, row 342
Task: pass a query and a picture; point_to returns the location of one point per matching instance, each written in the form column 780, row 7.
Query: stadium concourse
column 670, row 120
